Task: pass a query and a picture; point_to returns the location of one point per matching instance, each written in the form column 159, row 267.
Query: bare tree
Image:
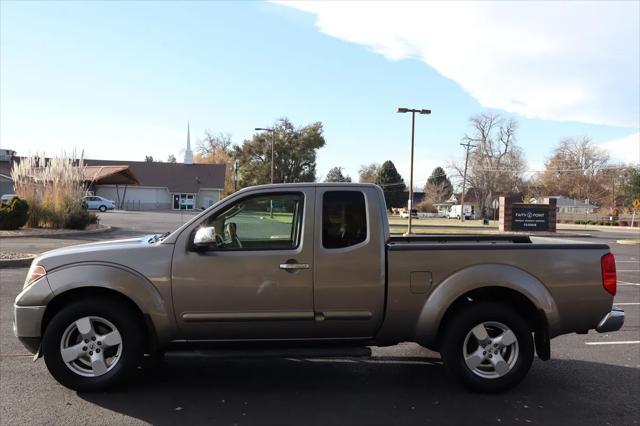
column 578, row 169
column 496, row 163
column 216, row 149
column 369, row 172
column 211, row 143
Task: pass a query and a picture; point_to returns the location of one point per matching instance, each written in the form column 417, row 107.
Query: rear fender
column 475, row 277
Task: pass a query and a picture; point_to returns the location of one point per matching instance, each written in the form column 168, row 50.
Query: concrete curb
column 62, row 233
column 629, row 242
column 17, row 263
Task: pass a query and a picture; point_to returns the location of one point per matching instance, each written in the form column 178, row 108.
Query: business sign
column 525, row 218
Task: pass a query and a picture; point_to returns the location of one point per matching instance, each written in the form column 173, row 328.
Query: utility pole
column 236, row 164
column 413, row 128
column 468, row 147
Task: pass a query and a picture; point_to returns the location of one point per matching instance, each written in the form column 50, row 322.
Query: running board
column 350, row 352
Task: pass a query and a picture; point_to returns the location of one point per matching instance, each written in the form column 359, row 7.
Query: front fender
column 475, row 277
column 123, row 280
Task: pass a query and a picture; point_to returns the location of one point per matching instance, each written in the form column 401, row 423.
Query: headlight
column 35, row 272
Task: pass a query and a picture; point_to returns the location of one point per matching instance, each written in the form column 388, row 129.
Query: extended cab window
column 344, row 219
column 261, row 222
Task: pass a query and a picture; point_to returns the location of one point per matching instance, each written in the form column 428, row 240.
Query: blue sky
column 121, row 80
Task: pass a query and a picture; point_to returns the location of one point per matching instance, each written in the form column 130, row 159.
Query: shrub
column 79, row 219
column 14, row 214
column 426, row 207
column 53, row 188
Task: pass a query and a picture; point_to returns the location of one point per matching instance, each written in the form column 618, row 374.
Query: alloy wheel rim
column 91, row 346
column 490, row 350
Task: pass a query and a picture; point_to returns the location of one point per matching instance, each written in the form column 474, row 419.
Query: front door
column 257, row 282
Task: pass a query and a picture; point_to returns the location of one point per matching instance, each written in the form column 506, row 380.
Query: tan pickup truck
column 313, row 266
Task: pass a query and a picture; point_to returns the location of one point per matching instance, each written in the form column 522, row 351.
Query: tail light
column 609, row 278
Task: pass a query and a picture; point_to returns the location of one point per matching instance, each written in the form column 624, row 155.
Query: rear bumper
column 613, row 321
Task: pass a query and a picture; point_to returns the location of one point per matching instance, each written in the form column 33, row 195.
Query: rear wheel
column 90, row 345
column 487, row 347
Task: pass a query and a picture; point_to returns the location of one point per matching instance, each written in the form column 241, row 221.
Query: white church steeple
column 188, row 154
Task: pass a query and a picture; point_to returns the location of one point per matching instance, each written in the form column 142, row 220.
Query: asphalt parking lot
column 591, row 379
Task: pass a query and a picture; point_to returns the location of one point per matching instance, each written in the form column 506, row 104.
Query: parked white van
column 454, row 211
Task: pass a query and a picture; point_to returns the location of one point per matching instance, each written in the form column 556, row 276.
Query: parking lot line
column 626, row 283
column 626, row 303
column 627, row 261
column 628, row 270
column 624, row 342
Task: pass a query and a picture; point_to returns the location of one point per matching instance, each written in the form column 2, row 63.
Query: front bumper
column 27, row 322
column 613, row 321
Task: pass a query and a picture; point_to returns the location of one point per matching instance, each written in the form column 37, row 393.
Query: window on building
column 344, row 219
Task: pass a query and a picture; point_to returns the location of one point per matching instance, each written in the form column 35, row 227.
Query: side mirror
column 206, row 237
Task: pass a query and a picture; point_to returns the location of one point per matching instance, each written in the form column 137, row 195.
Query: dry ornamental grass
column 53, row 188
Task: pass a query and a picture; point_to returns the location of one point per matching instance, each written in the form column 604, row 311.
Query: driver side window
column 260, row 222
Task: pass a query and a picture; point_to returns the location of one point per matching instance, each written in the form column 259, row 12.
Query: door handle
column 294, row 266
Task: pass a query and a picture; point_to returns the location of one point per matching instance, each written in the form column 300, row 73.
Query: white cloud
column 552, row 60
column 626, row 150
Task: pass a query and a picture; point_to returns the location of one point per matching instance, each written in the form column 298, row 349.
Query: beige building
column 142, row 185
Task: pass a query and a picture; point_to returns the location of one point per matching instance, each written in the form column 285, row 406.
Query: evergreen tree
column 335, row 175
column 438, row 187
column 392, row 185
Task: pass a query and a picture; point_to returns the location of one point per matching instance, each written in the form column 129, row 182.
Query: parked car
column 455, row 211
column 4, row 199
column 99, row 203
column 322, row 276
column 405, row 214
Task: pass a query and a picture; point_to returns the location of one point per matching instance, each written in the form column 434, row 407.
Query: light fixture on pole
column 273, row 141
column 413, row 126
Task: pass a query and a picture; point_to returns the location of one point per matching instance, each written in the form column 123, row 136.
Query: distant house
column 568, row 205
column 471, row 198
column 141, row 185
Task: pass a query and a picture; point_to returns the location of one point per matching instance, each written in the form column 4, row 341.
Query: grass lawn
column 439, row 221
column 277, row 216
column 395, row 230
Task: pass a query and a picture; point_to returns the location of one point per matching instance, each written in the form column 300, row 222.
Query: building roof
column 177, row 177
column 110, row 175
column 563, row 201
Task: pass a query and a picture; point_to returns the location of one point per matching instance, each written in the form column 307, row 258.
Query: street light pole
column 413, row 128
column 273, row 142
column 467, row 146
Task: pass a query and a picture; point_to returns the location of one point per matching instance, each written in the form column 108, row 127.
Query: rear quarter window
column 344, row 219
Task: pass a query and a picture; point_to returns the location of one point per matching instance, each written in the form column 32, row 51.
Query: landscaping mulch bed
column 46, row 232
column 15, row 259
column 12, row 255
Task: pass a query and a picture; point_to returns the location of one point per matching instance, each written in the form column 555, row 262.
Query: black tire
column 102, row 208
column 453, row 345
column 121, row 316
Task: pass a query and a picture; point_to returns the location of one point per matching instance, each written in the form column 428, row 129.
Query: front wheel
column 487, row 347
column 90, row 345
column 103, row 209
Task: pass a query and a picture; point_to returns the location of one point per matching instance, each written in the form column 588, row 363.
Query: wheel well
column 534, row 317
column 62, row 300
